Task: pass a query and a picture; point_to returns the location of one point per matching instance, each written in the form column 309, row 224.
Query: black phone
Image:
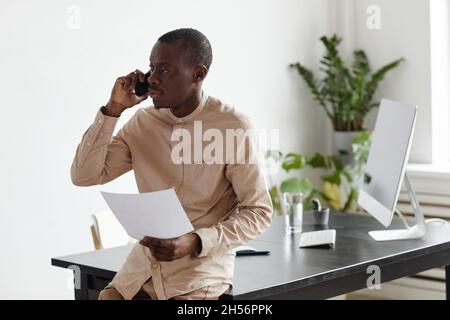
column 142, row 88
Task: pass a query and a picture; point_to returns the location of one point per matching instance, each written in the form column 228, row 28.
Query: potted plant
column 340, row 183
column 345, row 94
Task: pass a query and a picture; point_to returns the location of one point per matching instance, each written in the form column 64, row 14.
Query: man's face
column 172, row 76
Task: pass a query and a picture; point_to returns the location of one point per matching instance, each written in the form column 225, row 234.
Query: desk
column 293, row 273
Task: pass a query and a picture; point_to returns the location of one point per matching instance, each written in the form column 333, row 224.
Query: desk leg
column 447, row 281
column 82, row 292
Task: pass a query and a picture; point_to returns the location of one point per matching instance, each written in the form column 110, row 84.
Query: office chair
column 107, row 232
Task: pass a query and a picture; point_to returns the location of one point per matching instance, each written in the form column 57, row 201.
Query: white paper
column 155, row 214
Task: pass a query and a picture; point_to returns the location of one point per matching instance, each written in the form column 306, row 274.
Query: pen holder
column 321, row 216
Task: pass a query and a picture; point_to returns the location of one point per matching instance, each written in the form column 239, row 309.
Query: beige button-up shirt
column 227, row 203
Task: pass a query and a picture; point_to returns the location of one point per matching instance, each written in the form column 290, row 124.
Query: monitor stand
column 415, row 232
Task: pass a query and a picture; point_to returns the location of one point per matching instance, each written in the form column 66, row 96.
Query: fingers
column 140, row 75
column 139, row 99
column 162, row 255
column 124, row 88
column 158, row 243
column 161, row 249
column 146, row 241
column 129, row 81
column 135, row 76
column 124, row 83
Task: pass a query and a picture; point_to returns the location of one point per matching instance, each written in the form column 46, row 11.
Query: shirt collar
column 193, row 114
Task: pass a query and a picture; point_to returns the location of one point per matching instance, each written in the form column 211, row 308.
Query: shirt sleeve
column 253, row 214
column 99, row 157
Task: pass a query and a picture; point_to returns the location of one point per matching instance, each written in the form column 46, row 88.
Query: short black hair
column 193, row 42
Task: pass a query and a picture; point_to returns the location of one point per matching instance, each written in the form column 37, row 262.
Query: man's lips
column 154, row 93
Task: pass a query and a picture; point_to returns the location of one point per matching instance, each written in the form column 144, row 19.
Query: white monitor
column 385, row 168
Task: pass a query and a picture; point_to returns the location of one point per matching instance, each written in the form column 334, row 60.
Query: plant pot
column 342, row 142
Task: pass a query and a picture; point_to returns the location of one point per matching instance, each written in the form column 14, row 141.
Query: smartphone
column 142, row 88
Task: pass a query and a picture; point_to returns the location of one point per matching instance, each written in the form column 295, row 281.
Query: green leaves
column 326, row 162
column 362, row 137
column 275, row 197
column 361, row 66
column 374, row 81
column 302, row 185
column 361, row 147
column 311, row 82
column 334, row 178
column 297, row 161
column 345, row 95
column 340, row 187
column 293, row 161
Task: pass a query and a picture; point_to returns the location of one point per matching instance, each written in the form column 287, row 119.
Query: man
column 227, row 203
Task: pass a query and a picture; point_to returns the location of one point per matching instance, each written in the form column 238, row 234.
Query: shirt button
column 100, row 121
column 155, row 266
column 88, row 143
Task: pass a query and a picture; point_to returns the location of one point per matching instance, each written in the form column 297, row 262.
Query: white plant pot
column 342, row 141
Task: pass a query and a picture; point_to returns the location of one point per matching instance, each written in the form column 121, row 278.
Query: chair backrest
column 107, row 232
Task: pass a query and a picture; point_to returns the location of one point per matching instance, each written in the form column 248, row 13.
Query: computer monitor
column 385, row 170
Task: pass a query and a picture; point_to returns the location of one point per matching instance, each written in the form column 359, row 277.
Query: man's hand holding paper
column 172, row 249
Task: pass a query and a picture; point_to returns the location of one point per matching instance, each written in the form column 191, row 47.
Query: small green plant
column 346, row 94
column 340, row 184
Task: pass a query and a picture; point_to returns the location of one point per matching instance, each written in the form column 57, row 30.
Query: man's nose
column 153, row 79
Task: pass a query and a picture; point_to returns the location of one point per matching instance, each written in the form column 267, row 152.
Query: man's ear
column 200, row 73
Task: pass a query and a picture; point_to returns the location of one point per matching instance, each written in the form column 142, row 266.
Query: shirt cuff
column 107, row 123
column 208, row 237
column 103, row 126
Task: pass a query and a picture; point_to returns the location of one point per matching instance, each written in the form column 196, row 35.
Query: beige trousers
column 147, row 292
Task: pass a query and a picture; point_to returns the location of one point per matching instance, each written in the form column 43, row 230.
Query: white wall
column 405, row 32
column 440, row 79
column 54, row 79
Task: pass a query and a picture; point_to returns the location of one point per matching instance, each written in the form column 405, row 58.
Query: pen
column 251, row 253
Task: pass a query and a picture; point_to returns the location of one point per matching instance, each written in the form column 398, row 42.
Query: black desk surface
column 316, row 273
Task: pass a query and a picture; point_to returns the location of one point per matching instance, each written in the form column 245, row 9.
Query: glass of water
column 293, row 213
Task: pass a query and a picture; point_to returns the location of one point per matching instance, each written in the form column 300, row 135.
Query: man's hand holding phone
column 123, row 95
